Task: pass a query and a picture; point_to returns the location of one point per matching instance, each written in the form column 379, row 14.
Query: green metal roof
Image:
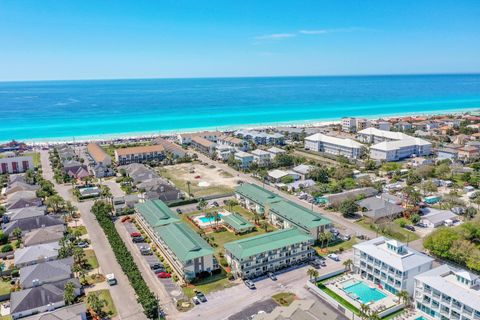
column 257, row 194
column 265, row 242
column 156, row 213
column 298, row 214
column 237, row 221
column 185, row 243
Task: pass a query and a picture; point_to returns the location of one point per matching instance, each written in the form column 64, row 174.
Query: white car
column 334, row 257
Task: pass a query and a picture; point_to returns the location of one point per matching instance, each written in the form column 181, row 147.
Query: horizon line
column 249, row 77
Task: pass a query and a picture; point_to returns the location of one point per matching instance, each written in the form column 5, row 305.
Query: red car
column 135, row 234
column 163, row 275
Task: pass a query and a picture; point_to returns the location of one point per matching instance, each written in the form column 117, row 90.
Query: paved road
column 350, row 227
column 122, row 294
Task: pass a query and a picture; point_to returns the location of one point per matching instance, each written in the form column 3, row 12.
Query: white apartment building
column 245, row 159
column 333, row 145
column 15, row 164
column 261, row 157
column 393, row 146
column 448, row 293
column 254, row 256
column 349, row 124
column 390, row 264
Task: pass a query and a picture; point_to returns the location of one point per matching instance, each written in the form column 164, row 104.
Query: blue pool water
column 421, row 318
column 106, row 108
column 208, row 220
column 364, row 293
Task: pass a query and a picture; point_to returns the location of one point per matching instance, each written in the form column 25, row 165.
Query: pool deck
column 203, row 224
column 337, row 284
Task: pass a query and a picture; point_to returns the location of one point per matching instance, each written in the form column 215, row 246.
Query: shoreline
column 292, row 124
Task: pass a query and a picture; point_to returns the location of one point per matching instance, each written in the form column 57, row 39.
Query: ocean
column 55, row 110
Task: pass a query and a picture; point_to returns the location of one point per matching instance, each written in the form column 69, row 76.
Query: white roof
column 303, row 168
column 275, row 150
column 394, row 145
column 443, row 279
column 277, row 174
column 384, row 134
column 435, row 215
column 408, row 260
column 318, row 137
column 259, row 152
column 241, row 154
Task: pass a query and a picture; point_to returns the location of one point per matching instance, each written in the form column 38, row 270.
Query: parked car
column 159, row 270
column 83, row 244
column 421, row 225
column 146, row 250
column 156, row 265
column 111, row 280
column 272, row 276
column 200, row 296
column 316, row 263
column 138, row 239
column 410, row 227
column 346, row 237
column 249, row 284
column 334, row 257
column 215, row 203
column 195, row 300
column 135, row 234
column 164, row 275
column 179, row 211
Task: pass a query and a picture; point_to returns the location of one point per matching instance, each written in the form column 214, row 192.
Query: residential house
column 98, row 155
column 403, row 126
column 73, row 312
column 274, row 151
column 21, row 195
column 44, row 235
column 447, row 292
column 244, row 158
column 75, row 169
column 334, row 146
column 172, row 148
column 20, row 186
column 231, row 141
column 381, row 125
column 468, row 152
column 224, row 152
column 15, row 164
column 389, row 264
column 278, row 175
column 447, row 153
column 102, row 171
column 268, row 252
column 261, row 138
column 46, row 272
column 434, row 218
column 36, row 254
column 23, row 213
column 47, row 297
column 303, row 170
column 139, row 154
column 124, row 203
column 31, row 223
column 305, row 309
column 19, row 203
column 379, row 207
column 261, row 157
column 337, row 198
column 301, row 184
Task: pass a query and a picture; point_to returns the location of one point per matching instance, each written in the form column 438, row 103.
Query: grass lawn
column 5, row 287
column 214, row 283
column 91, row 258
column 342, row 301
column 82, row 230
column 36, row 158
column 346, row 245
column 105, row 295
column 284, row 298
column 95, row 278
column 391, row 230
column 7, row 317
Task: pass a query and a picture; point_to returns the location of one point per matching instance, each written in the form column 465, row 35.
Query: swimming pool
column 204, row 219
column 363, row 292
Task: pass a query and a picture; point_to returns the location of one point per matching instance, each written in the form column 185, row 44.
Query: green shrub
column 7, row 248
column 223, row 262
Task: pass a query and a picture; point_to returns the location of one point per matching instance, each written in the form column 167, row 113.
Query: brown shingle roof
column 202, row 141
column 141, row 149
column 97, row 153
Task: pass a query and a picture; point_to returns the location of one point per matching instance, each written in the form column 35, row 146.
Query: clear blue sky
column 95, row 39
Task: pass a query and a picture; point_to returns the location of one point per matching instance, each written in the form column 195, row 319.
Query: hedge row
column 145, row 297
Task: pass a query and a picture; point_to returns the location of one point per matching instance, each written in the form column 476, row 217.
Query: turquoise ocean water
column 52, row 110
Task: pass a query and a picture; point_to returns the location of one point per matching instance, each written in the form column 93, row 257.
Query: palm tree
column 404, row 297
column 69, row 293
column 202, row 204
column 348, row 264
column 96, row 304
column 216, row 217
column 328, row 236
column 70, row 209
column 312, row 273
column 364, row 311
column 231, row 203
column 209, row 216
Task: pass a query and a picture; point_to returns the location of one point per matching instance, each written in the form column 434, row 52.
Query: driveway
column 122, row 294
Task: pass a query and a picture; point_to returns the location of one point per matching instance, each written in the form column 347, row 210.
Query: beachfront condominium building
column 139, row 154
column 334, row 146
column 448, row 293
column 268, row 252
column 261, row 138
column 282, row 213
column 15, row 164
column 99, row 156
column 349, row 124
column 393, row 146
column 389, row 264
column 186, row 138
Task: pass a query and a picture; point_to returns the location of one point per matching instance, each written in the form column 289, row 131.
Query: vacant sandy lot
column 203, row 179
